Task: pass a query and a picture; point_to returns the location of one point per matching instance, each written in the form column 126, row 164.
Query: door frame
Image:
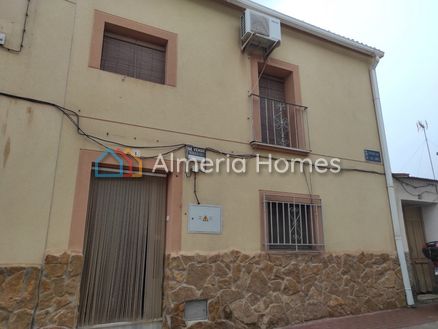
column 173, row 229
column 80, row 203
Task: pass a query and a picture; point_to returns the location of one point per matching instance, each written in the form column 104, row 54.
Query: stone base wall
column 272, row 290
column 242, row 291
column 47, row 300
column 18, row 295
column 59, row 291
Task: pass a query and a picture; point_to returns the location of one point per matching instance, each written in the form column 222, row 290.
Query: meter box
column 204, row 219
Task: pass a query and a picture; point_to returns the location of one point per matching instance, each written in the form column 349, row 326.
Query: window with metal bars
column 134, row 58
column 293, row 224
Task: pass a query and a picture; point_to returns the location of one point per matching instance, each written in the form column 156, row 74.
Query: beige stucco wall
column 12, row 21
column 29, row 135
column 209, row 107
column 27, row 163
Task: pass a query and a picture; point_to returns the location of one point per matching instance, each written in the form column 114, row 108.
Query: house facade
column 94, row 92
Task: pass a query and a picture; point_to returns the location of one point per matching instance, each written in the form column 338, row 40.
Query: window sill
column 293, row 252
column 278, row 148
column 124, row 77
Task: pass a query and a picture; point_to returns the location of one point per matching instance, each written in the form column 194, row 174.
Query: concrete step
column 427, row 298
column 155, row 324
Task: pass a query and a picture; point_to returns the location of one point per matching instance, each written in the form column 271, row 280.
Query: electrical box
column 204, row 219
column 2, row 38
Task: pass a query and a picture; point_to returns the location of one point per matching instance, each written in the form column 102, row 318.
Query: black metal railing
column 281, row 123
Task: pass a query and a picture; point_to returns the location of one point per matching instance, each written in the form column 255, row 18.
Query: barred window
column 292, row 222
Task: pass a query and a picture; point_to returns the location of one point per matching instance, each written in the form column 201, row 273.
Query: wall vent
column 196, row 310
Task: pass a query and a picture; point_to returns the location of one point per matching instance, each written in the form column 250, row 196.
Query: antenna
column 424, row 126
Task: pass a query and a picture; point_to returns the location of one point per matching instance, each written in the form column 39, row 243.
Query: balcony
column 279, row 126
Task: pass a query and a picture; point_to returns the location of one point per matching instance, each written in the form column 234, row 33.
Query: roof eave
column 309, row 28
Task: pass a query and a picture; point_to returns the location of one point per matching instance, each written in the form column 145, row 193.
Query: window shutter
column 133, row 58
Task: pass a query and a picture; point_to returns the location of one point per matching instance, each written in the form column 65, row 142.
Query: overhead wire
column 413, row 155
column 404, row 184
column 195, row 192
column 74, row 118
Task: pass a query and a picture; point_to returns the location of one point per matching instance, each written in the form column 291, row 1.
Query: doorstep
column 427, row 299
column 155, row 324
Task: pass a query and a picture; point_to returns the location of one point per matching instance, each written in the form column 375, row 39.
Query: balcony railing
column 279, row 123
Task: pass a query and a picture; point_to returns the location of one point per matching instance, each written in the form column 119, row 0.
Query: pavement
column 421, row 317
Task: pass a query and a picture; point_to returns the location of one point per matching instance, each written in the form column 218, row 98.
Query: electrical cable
column 194, row 187
column 414, row 186
column 412, row 156
column 99, row 140
column 74, row 118
column 410, row 193
column 404, row 184
column 418, row 195
column 251, row 156
column 231, row 155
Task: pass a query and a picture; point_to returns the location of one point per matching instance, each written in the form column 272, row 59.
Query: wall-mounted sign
column 195, row 153
column 373, row 156
column 204, row 219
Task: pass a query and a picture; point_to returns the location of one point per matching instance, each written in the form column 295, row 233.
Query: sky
column 406, row 30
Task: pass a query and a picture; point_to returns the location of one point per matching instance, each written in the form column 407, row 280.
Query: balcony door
column 123, row 251
column 275, row 115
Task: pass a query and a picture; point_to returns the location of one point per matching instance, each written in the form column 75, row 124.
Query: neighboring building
column 78, row 250
column 417, row 202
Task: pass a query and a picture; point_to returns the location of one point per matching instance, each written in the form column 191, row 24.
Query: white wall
column 430, row 218
column 422, row 193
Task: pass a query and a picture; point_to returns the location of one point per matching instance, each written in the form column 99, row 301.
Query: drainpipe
column 390, row 185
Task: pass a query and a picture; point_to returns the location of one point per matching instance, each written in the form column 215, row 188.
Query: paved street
column 432, row 325
column 422, row 317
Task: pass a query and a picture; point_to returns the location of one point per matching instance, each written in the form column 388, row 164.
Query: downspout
column 390, row 185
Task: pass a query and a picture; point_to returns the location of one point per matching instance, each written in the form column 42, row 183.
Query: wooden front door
column 421, row 266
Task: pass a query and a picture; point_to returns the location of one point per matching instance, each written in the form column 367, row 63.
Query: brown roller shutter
column 133, row 58
column 124, row 250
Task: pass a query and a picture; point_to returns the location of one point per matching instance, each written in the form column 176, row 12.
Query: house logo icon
column 126, row 163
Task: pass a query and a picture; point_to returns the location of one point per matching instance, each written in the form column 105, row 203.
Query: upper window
column 133, row 58
column 292, row 222
column 279, row 119
column 133, row 49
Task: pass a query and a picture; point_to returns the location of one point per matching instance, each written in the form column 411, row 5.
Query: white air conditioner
column 259, row 32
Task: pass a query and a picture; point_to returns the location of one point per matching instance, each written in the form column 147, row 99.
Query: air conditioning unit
column 259, row 32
